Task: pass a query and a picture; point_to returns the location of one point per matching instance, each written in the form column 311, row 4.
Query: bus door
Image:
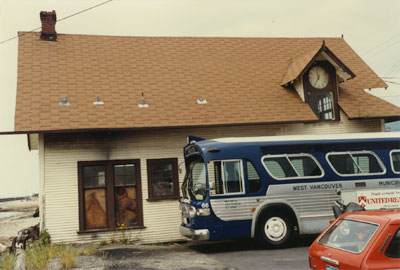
column 228, row 201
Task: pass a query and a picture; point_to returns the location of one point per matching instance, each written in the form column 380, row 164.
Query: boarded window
column 95, row 196
column 125, row 195
column 109, row 195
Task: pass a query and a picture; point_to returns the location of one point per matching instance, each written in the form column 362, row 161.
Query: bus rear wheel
column 274, row 230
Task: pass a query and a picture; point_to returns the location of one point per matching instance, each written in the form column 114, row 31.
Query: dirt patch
column 145, row 257
column 9, row 226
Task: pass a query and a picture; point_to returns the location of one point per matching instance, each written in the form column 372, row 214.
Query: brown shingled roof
column 239, row 77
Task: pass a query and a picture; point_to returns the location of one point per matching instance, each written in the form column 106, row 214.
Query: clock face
column 318, row 77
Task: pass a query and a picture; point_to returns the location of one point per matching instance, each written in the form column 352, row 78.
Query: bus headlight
column 203, row 212
column 192, row 211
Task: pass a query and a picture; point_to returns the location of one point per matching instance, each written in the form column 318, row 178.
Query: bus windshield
column 194, row 185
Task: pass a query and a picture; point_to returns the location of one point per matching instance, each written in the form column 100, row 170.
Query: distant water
column 8, row 214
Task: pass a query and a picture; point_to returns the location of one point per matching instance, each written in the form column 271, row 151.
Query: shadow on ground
column 242, row 245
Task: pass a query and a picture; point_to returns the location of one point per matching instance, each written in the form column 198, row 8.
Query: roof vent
column 201, row 101
column 143, row 104
column 64, row 102
column 48, row 20
column 98, row 101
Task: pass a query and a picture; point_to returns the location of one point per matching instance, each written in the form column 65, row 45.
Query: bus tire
column 274, row 230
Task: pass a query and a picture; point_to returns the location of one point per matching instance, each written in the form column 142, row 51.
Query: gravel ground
column 149, row 257
column 9, row 226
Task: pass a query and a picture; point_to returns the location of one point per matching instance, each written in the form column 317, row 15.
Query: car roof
column 391, row 216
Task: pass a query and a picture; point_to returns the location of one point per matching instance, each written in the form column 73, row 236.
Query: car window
column 349, row 235
column 393, row 250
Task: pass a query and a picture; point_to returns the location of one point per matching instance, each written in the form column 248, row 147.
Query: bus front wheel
column 274, row 230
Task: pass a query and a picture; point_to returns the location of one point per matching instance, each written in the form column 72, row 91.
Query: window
column 393, row 249
column 109, row 195
column 395, row 159
column 356, row 163
column 226, row 177
column 254, row 180
column 292, row 166
column 349, row 235
column 194, row 184
column 322, row 105
column 163, row 179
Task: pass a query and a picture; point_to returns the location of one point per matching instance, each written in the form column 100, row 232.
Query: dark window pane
column 343, row 164
column 279, row 167
column 129, row 169
column 393, row 250
column 130, row 180
column 396, row 161
column 232, row 176
column 253, row 178
column 95, row 208
column 94, row 176
column 125, row 206
column 322, row 104
column 119, row 180
column 119, row 170
column 305, row 166
column 124, row 175
column 367, row 163
column 162, row 176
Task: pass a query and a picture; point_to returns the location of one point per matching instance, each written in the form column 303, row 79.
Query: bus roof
column 333, row 139
column 321, row 137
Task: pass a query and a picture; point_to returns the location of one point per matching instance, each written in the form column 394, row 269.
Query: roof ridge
column 195, row 37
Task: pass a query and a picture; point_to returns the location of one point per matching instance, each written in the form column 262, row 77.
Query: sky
column 370, row 27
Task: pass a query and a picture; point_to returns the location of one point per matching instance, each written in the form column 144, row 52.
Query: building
column 110, row 115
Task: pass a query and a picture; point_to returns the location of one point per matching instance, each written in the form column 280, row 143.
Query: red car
column 359, row 240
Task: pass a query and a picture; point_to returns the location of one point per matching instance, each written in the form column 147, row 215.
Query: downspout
column 42, row 196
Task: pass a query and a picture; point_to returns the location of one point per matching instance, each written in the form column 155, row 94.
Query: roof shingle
column 239, row 77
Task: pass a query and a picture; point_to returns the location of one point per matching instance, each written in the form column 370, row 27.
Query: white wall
column 161, row 218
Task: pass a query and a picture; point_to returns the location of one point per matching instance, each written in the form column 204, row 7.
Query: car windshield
column 194, row 185
column 349, row 235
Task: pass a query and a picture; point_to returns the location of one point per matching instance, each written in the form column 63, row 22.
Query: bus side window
column 353, row 163
column 395, row 155
column 254, row 180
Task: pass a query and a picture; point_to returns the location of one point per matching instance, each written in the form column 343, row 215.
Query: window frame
column 223, row 177
column 287, row 157
column 110, row 194
column 175, row 179
column 356, row 152
column 391, row 160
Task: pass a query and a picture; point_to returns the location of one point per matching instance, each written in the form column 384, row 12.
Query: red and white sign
column 379, row 199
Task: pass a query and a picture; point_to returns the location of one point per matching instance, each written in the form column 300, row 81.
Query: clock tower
column 316, row 76
column 320, row 90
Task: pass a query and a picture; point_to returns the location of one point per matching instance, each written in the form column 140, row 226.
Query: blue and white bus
column 272, row 188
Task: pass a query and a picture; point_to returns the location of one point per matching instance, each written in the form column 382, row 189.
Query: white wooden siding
column 161, row 218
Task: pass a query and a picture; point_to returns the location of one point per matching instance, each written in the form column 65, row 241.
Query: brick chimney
column 49, row 20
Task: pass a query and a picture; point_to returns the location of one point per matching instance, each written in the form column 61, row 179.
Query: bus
column 274, row 188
